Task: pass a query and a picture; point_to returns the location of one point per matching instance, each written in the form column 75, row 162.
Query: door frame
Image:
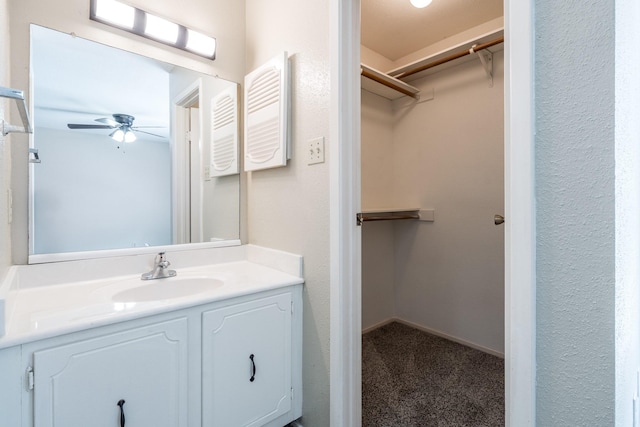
column 345, row 252
column 181, row 190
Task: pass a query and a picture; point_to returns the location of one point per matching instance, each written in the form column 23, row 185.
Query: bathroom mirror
column 93, row 188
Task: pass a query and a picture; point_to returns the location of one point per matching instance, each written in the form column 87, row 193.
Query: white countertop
column 38, row 312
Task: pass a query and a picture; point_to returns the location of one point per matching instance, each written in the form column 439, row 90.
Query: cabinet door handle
column 253, row 364
column 121, row 404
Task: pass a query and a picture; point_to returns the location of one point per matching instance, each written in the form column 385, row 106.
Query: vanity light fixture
column 161, row 29
column 420, row 3
column 145, row 24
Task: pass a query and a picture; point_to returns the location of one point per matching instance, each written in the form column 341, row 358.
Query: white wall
column 289, row 206
column 576, row 215
column 627, row 159
column 91, row 195
column 225, row 20
column 5, row 153
column 449, row 157
column 446, row 154
column 378, row 260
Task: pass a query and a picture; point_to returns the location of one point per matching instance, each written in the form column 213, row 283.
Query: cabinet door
column 80, row 384
column 246, row 366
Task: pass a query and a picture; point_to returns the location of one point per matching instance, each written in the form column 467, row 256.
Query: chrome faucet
column 160, row 269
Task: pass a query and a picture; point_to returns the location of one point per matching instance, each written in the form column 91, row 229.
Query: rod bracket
column 486, row 58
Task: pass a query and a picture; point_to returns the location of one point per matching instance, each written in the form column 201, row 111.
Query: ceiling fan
column 123, row 125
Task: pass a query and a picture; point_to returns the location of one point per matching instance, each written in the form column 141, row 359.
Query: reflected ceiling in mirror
column 130, row 152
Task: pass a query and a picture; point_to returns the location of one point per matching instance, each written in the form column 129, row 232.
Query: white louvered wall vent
column 224, row 133
column 266, row 119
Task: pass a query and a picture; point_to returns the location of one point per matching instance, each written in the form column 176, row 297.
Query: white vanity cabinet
column 227, row 363
column 247, row 362
column 141, row 372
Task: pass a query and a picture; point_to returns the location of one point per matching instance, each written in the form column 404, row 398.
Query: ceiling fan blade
column 80, row 126
column 149, row 133
column 148, row 127
column 108, row 121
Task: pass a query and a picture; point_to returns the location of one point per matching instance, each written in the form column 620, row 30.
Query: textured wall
column 5, row 153
column 574, row 90
column 289, row 206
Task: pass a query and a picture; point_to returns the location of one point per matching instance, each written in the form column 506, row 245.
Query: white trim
column 110, row 253
column 436, row 333
column 519, row 211
column 180, row 158
column 520, row 296
column 344, row 150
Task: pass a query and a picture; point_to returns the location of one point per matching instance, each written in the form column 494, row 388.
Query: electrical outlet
column 207, row 173
column 315, row 151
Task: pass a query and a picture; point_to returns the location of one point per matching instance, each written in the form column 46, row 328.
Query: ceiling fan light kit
column 124, row 131
column 148, row 25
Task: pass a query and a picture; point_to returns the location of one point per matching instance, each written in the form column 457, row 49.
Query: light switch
column 315, row 151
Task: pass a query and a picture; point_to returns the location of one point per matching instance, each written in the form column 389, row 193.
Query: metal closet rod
column 362, row 217
column 449, row 58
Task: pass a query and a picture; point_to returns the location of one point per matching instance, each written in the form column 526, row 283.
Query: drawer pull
column 121, row 404
column 253, row 364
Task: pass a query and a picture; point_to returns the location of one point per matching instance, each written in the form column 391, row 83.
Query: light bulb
column 200, row 44
column 161, row 29
column 129, row 136
column 116, row 13
column 118, row 135
column 420, row 3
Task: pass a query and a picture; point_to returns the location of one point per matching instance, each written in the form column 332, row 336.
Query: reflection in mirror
column 125, row 144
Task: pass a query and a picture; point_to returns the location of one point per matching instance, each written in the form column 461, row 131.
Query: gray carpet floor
column 412, row 378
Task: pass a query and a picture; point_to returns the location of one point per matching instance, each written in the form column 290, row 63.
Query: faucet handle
column 161, row 260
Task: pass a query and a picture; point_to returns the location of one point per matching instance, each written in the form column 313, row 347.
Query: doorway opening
column 519, row 215
column 186, row 182
column 433, row 145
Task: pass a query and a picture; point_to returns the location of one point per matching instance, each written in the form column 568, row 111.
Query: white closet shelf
column 391, row 214
column 382, row 84
column 450, row 56
column 390, row 210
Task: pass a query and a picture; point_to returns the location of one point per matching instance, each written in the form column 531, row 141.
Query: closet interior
column 432, row 188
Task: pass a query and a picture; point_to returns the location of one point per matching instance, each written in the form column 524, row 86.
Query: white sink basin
column 162, row 289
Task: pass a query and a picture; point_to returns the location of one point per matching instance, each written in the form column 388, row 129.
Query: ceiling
column 394, row 28
column 78, row 81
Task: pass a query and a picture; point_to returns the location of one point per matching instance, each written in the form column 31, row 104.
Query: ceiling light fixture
column 129, row 136
column 123, row 134
column 420, row 3
column 118, row 135
column 145, row 24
